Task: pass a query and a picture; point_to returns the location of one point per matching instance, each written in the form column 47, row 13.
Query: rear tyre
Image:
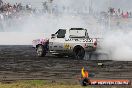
column 41, row 52
column 79, row 52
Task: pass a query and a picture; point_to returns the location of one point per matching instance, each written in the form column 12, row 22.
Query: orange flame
column 84, row 73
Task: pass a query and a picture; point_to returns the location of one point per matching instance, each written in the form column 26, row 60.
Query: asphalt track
column 21, row 63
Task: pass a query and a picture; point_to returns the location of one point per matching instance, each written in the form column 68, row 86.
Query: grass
column 45, row 84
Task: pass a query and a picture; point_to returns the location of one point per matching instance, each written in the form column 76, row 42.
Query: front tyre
column 41, row 52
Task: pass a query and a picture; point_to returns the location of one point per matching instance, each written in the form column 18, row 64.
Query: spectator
column 119, row 10
column 1, row 3
column 45, row 6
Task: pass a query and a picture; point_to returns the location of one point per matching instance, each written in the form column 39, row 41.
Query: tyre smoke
column 118, row 45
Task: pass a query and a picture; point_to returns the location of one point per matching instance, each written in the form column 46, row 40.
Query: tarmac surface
column 22, row 63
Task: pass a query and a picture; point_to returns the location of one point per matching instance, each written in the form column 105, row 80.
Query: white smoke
column 118, row 45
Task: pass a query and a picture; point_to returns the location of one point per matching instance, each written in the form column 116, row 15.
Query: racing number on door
column 66, row 46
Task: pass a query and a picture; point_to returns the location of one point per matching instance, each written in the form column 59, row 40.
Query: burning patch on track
column 85, row 80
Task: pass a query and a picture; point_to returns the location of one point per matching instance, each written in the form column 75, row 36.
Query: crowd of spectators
column 18, row 10
column 13, row 13
column 119, row 13
column 8, row 10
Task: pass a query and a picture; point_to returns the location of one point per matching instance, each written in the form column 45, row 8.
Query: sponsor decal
column 88, row 40
column 60, row 46
column 109, row 82
column 51, row 43
column 55, row 46
column 66, row 46
column 86, row 45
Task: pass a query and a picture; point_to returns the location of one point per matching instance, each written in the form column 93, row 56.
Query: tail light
column 95, row 43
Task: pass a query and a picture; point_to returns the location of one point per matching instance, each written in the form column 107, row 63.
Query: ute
column 73, row 43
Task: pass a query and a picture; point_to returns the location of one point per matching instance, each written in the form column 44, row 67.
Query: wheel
column 79, row 52
column 41, row 52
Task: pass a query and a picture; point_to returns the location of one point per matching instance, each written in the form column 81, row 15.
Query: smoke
column 117, row 44
column 18, row 38
column 72, row 13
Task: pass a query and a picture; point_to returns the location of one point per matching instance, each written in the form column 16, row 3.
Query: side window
column 61, row 33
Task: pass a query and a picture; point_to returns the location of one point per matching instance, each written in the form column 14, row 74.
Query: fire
column 84, row 73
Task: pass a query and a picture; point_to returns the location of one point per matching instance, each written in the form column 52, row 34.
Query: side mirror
column 53, row 35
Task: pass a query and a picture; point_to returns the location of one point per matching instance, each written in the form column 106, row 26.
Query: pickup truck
column 72, row 43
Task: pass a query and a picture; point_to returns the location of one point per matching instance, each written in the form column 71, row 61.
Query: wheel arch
column 39, row 45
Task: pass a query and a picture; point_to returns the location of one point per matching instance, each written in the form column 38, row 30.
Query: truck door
column 57, row 43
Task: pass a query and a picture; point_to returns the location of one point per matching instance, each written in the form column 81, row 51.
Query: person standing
column 1, row 3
